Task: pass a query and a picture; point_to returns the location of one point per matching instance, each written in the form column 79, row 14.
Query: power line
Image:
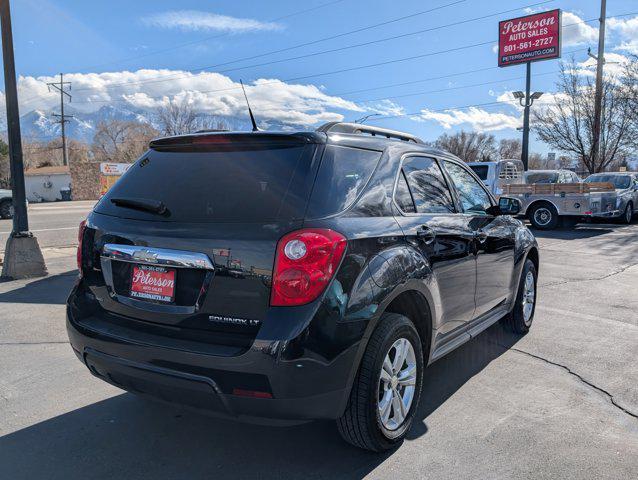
column 324, row 39
column 460, row 87
column 212, row 37
column 170, row 77
column 447, row 109
column 313, row 42
column 323, row 52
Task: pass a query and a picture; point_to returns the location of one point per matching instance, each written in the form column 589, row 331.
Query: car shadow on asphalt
column 53, row 289
column 128, row 437
column 577, row 233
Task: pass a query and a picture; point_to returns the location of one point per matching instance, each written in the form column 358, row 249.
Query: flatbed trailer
column 549, row 205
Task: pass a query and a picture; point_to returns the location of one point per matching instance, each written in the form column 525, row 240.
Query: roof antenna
column 250, row 112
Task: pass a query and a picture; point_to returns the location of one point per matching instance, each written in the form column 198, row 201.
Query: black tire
column 516, row 320
column 628, row 214
column 361, row 424
column 5, row 209
column 543, row 216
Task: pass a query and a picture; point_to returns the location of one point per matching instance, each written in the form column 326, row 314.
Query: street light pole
column 23, row 257
column 525, row 149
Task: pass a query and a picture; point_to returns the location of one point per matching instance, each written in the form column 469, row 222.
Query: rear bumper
column 264, row 384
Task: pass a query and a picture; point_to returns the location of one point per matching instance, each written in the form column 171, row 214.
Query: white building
column 44, row 184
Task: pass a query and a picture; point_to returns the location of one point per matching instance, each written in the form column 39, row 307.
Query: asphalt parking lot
column 561, row 402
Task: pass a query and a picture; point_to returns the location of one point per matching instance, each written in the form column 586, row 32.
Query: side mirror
column 509, row 206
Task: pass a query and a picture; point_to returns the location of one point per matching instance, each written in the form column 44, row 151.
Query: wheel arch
column 408, row 300
column 414, row 305
column 532, row 255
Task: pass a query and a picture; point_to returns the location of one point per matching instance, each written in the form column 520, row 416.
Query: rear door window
column 268, row 183
column 427, row 185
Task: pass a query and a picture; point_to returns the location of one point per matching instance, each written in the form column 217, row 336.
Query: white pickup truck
column 549, row 205
column 496, row 175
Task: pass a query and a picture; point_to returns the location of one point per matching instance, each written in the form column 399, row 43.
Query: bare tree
column 177, row 118
column 510, row 148
column 468, row 146
column 121, row 141
column 537, row 162
column 567, row 122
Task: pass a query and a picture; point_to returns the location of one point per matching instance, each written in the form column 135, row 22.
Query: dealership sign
column 530, row 38
column 114, row 168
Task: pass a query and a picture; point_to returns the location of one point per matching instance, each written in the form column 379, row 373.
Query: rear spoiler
column 224, row 140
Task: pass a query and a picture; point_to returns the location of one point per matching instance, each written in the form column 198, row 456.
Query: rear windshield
column 270, row 183
column 480, row 170
column 541, row 177
column 619, row 181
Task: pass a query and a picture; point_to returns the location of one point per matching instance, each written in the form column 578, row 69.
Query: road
column 55, row 224
column 560, row 402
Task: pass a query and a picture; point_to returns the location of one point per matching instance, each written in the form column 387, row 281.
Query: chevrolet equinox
column 296, row 276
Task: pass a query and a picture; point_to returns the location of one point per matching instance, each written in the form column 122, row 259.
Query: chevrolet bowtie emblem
column 145, row 256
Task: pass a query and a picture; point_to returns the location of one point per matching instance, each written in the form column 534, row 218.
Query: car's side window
column 473, row 197
column 402, row 196
column 427, row 185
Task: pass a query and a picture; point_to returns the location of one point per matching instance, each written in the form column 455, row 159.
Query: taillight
column 80, row 237
column 305, row 263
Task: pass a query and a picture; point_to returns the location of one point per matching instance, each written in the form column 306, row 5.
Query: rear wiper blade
column 145, row 204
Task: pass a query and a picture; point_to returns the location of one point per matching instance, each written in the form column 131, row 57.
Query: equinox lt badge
column 234, row 321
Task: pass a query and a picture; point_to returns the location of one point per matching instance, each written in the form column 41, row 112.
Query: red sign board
column 528, row 39
column 153, row 283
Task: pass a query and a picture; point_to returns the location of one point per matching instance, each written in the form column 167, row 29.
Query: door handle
column 425, row 234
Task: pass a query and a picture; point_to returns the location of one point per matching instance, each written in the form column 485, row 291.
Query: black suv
column 295, row 276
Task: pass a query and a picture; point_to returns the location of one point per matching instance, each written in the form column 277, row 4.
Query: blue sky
column 143, row 53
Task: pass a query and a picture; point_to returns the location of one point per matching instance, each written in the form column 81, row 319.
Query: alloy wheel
column 397, row 383
column 529, row 297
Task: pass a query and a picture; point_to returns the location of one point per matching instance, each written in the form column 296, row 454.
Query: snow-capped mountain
column 42, row 126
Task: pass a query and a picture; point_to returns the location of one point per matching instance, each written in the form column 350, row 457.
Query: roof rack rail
column 357, row 128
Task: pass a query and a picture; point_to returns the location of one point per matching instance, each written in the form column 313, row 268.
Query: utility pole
column 60, row 86
column 23, row 257
column 598, row 96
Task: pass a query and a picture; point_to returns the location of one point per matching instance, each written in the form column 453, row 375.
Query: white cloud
column 194, row 20
column 208, row 92
column 614, row 65
column 477, row 118
column 386, row 108
column 627, row 30
column 574, row 30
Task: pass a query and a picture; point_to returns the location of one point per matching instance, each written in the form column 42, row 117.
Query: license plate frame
column 153, row 283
